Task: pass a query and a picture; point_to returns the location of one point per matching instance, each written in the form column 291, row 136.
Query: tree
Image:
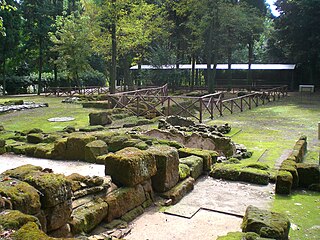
column 298, row 31
column 126, row 29
column 9, row 38
column 72, row 44
column 39, row 17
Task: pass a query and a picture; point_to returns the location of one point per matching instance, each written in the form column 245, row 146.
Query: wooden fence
column 155, row 101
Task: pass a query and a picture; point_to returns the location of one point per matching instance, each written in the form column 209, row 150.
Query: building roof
column 275, row 66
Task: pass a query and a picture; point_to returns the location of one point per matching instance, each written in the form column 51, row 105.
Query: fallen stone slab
column 265, row 223
column 180, row 190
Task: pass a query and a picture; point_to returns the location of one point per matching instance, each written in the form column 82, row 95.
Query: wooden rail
column 75, row 91
column 252, row 100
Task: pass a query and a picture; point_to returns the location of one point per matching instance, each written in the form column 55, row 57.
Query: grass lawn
column 270, row 131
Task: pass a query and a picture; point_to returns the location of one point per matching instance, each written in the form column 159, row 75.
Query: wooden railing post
column 200, row 110
column 168, row 110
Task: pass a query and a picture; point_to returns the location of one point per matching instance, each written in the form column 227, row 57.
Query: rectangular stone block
column 123, row 200
column 167, row 161
column 195, row 164
column 130, row 166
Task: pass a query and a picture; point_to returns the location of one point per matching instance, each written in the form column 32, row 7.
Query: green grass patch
column 303, row 210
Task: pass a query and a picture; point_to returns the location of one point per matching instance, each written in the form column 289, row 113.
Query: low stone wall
column 293, row 173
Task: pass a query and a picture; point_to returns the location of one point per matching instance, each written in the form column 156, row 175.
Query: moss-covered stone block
column 21, row 195
column 265, row 223
column 253, row 175
column 14, row 219
column 167, row 163
column 22, row 171
column 95, row 149
column 308, row 174
column 116, row 143
column 174, row 144
column 225, row 171
column 59, row 149
column 130, row 166
column 3, row 150
column 141, row 145
column 180, row 190
column 195, row 164
column 293, row 170
column 75, row 146
column 184, row 171
column 53, row 188
column 100, row 118
column 133, row 214
column 35, row 138
column 31, row 231
column 85, row 218
column 2, row 143
column 208, row 156
column 43, row 151
column 284, row 182
column 123, row 200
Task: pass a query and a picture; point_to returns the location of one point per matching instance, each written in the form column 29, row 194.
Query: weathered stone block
column 95, row 149
column 35, row 138
column 130, row 166
column 123, row 200
column 88, row 216
column 285, row 166
column 58, row 215
column 167, row 162
column 101, row 118
column 132, row 214
column 284, row 182
column 2, row 143
column 265, row 223
column 208, row 156
column 21, row 195
column 253, row 175
column 195, row 164
column 14, row 219
column 308, row 174
column 75, row 146
column 53, row 188
column 180, row 190
column 117, row 143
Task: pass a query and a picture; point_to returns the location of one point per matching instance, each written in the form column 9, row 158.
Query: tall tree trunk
column 209, row 58
column 4, row 70
column 229, row 68
column 250, row 60
column 55, row 73
column 193, row 67
column 40, row 65
column 113, row 77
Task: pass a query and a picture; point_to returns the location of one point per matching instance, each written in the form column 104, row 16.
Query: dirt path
column 213, row 208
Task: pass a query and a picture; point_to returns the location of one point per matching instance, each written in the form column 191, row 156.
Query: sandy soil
column 9, row 161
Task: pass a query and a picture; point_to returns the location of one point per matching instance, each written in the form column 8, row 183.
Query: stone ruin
column 138, row 166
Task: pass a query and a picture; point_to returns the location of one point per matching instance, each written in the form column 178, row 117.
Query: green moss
column 174, row 144
column 22, row 171
column 184, row 171
column 240, row 236
column 30, row 231
column 21, row 195
column 14, row 219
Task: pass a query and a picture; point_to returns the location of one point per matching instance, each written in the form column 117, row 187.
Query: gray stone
column 101, row 118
